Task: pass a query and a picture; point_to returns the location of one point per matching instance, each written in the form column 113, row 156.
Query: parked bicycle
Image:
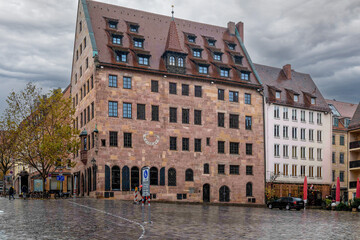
column 62, row 195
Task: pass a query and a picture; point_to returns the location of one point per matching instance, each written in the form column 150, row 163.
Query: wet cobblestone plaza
column 111, row 219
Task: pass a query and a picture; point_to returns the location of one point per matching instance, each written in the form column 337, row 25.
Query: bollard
column 142, row 209
column 149, row 213
column 136, row 196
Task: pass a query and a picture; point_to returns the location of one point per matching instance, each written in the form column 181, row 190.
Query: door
column 224, row 194
column 206, row 192
column 107, row 178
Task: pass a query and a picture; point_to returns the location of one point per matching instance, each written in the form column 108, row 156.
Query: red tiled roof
column 345, row 109
column 355, row 121
column 161, row 33
column 300, row 83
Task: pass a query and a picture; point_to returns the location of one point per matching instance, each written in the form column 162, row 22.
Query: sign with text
column 60, row 178
column 146, row 182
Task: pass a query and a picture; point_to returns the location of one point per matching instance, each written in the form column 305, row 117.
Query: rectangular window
column 294, row 132
column 302, row 116
column 248, row 149
column 277, row 94
column 319, row 136
column 311, row 171
column 333, row 139
column 112, row 24
column 113, row 109
column 197, row 117
column 87, row 63
column 318, row 175
column 185, row 116
column 335, row 121
column 127, row 140
column 173, row 115
column 342, row 140
column 88, row 113
column 285, row 113
column 198, row 91
column 333, row 158
column 234, row 169
column 247, row 98
column 342, row 158
column 154, row 113
column 203, row 69
column 248, row 122
column 249, row 170
column 285, row 151
column 121, row 57
column 296, row 98
column 234, row 121
column 113, row 139
column 276, row 169
column 224, row 72
column 233, row 96
column 319, row 118
column 276, row 112
column 197, row 145
column 134, row 28
column 221, row 94
column 207, row 141
column 185, row 89
column 221, row 147
column 319, row 154
column 92, row 110
column 285, row 132
column 238, row 59
column 154, row 86
column 185, row 144
column 302, row 133
column 333, row 175
column 311, row 117
column 234, row 148
column 127, row 82
column 341, row 176
column 245, row 76
column 172, row 88
column 116, row 39
column 221, row 169
column 126, row 110
column 302, row 171
column 217, row 56
column 85, row 116
column 173, row 143
column 196, row 53
column 277, row 131
column 303, row 153
column 143, row 60
column 294, row 171
column 311, row 135
column 221, row 119
column 286, row 170
column 276, row 150
column 138, row 43
column 140, row 112
column 311, row 153
column 294, row 151
column 294, row 115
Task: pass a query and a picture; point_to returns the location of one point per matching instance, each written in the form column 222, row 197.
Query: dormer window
column 238, row 60
column 217, row 56
column 172, row 61
column 138, row 43
column 134, row 28
column 211, row 42
column 245, row 76
column 121, row 56
column 313, row 101
column 191, row 38
column 197, row 53
column 116, row 39
column 278, row 94
column 113, row 24
column 203, row 69
column 143, row 60
column 231, row 46
column 224, row 72
column 180, row 62
column 296, row 98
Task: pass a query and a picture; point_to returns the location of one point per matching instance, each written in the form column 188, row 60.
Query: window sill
column 276, row 137
column 286, row 157
column 286, row 138
column 319, row 159
column 286, row 119
column 276, row 156
column 234, row 173
column 295, row 158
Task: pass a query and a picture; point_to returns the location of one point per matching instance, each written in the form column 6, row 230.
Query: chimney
column 287, row 71
column 240, row 28
column 231, row 28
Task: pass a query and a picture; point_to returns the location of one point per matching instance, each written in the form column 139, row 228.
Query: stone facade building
column 354, row 152
column 342, row 114
column 180, row 97
column 297, row 133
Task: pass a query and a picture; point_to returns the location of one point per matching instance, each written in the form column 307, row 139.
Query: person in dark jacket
column 11, row 193
column 24, row 191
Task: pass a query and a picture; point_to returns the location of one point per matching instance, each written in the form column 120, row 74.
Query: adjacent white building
column 298, row 128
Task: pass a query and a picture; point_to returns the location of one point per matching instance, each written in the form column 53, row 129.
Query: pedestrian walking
column 24, row 191
column 11, row 193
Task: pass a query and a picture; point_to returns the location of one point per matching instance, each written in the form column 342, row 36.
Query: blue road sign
column 60, row 178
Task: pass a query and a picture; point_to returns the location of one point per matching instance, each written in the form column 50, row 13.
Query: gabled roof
column 345, row 109
column 355, row 121
column 300, row 83
column 161, row 34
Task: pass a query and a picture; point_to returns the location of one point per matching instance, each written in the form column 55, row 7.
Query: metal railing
column 352, row 184
column 355, row 144
column 355, row 164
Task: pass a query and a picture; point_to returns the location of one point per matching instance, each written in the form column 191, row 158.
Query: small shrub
column 355, row 203
column 342, row 207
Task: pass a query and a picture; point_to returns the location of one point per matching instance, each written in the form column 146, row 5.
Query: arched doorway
column 107, row 178
column 82, row 184
column 206, row 192
column 125, row 179
column 24, row 181
column 134, row 178
column 115, row 175
column 224, row 194
column 89, row 181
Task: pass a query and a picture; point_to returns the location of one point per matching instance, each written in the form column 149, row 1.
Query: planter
column 354, row 209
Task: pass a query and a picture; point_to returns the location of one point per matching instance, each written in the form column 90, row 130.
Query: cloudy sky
column 318, row 37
